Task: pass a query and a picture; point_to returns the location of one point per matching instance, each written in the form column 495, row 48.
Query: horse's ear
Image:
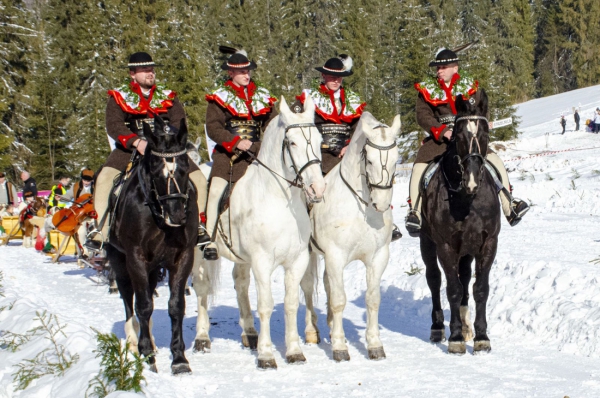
column 183, row 131
column 283, row 106
column 460, row 104
column 396, row 125
column 159, row 125
column 309, row 106
column 147, row 131
column 482, row 104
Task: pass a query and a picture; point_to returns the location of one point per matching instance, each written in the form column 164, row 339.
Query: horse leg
column 434, row 281
column 293, row 276
column 178, row 276
column 327, row 286
column 308, row 282
column 152, row 282
column 337, row 302
column 454, row 292
column 123, row 282
column 112, row 284
column 464, row 272
column 201, row 286
column 375, row 268
column 262, row 276
column 241, row 278
column 481, row 290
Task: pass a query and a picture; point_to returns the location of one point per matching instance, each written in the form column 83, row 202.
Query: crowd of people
column 592, row 124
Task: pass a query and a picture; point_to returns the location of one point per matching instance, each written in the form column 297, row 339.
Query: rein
column 157, row 209
column 298, row 181
column 371, row 186
column 471, row 153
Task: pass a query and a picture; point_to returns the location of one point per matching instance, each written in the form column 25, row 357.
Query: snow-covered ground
column 543, row 310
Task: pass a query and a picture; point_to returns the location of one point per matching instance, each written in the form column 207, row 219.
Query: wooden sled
column 12, row 227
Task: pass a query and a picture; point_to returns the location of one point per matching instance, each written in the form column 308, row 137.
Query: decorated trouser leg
column 217, row 187
column 513, row 209
column 102, row 189
column 413, row 218
column 199, row 181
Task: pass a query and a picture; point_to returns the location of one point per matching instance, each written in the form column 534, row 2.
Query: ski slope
column 543, row 310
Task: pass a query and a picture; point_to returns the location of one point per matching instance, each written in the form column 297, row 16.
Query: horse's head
column 38, row 207
column 380, row 155
column 302, row 149
column 168, row 167
column 471, row 137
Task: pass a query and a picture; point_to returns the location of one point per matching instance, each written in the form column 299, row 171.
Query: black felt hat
column 339, row 66
column 140, row 59
column 238, row 61
column 444, row 57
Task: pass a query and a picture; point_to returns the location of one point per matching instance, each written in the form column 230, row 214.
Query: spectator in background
column 576, row 117
column 596, row 121
column 30, row 185
column 8, row 192
column 58, row 192
column 563, row 123
column 83, row 186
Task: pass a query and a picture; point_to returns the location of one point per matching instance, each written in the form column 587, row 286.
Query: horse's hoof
column 267, row 364
column 153, row 368
column 482, row 347
column 312, row 338
column 202, row 345
column 250, row 341
column 341, row 355
column 457, row 347
column 113, row 290
column 180, row 368
column 437, row 336
column 296, row 358
column 376, row 353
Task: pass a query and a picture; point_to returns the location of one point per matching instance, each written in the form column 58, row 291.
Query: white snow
column 543, row 309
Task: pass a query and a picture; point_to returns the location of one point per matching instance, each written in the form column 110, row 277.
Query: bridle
column 298, row 181
column 471, row 153
column 378, row 185
column 158, row 208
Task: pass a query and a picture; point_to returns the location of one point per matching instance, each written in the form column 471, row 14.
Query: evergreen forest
column 59, row 58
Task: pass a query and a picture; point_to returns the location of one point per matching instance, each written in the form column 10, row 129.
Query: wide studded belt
column 335, row 136
column 448, row 120
column 137, row 125
column 245, row 129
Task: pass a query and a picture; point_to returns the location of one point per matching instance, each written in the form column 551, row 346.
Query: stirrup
column 413, row 224
column 518, row 209
column 203, row 237
column 91, row 244
column 396, row 234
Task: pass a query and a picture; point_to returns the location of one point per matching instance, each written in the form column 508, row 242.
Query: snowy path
column 543, row 310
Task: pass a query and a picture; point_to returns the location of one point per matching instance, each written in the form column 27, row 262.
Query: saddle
column 433, row 166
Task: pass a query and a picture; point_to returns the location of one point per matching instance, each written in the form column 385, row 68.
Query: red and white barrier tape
column 550, row 153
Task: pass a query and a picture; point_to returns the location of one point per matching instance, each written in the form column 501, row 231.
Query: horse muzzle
column 314, row 192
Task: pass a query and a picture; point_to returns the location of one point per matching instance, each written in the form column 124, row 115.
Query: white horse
column 354, row 222
column 267, row 225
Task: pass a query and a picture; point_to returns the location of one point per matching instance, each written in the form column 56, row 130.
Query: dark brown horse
column 155, row 226
column 461, row 222
column 31, row 217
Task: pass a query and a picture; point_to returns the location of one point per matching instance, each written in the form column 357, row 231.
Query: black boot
column 413, row 224
column 203, row 237
column 396, row 233
column 92, row 245
column 518, row 210
column 211, row 253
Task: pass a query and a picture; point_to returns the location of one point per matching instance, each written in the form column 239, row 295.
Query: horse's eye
column 292, row 143
column 368, row 161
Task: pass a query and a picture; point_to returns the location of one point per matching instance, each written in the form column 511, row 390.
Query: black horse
column 155, row 226
column 461, row 222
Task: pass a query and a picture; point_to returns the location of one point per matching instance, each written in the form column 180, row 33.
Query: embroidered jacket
column 436, row 101
column 126, row 105
column 324, row 100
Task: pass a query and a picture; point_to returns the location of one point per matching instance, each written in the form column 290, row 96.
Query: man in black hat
column 128, row 107
column 238, row 112
column 337, row 112
column 435, row 113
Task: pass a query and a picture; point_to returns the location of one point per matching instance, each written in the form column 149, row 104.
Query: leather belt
column 245, row 129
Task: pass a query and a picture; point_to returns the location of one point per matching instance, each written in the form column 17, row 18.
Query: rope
column 551, row 153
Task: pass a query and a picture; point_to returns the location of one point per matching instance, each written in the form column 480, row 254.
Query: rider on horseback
column 238, row 111
column 128, row 108
column 337, row 112
column 435, row 113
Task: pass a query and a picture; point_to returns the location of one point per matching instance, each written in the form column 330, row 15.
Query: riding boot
column 217, row 187
column 513, row 209
column 396, row 234
column 103, row 188
column 199, row 181
column 413, row 218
